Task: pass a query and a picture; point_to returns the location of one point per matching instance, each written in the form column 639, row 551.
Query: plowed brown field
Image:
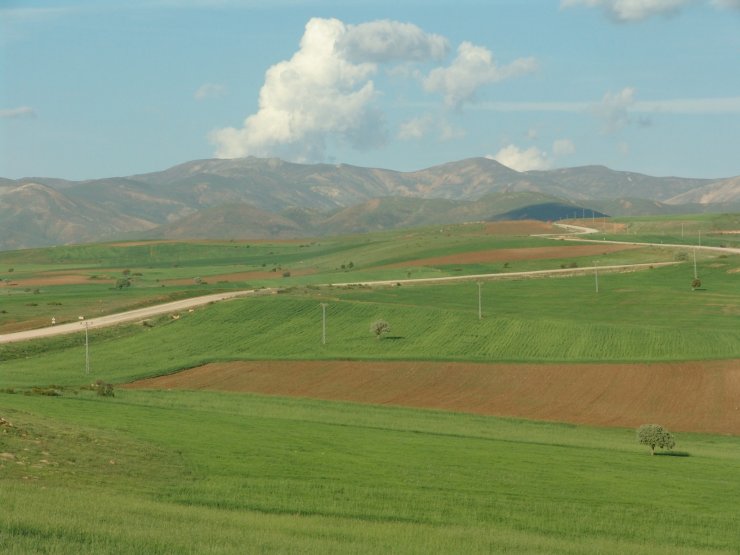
column 511, row 255
column 520, row 227
column 689, row 396
column 46, row 280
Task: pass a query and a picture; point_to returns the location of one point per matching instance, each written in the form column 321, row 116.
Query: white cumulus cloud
column 727, row 4
column 563, row 147
column 415, row 128
column 631, row 10
column 473, row 67
column 387, row 41
column 325, row 91
column 614, row 109
column 532, row 158
column 423, row 126
column 522, row 160
column 209, row 90
column 17, row 113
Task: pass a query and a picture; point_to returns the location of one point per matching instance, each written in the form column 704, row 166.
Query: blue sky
column 99, row 88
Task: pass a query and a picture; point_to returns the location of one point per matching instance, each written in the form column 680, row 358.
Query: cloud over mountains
column 326, row 92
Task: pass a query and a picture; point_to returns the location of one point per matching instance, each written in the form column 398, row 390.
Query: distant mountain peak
column 195, row 196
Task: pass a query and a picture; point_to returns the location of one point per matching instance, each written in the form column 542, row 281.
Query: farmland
column 248, row 433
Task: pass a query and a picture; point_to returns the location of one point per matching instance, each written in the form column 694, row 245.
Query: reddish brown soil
column 512, row 255
column 202, row 242
column 240, row 276
column 687, row 396
column 520, row 227
column 56, row 279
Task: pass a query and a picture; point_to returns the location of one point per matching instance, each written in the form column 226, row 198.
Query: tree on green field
column 655, row 435
column 379, row 328
column 695, row 284
column 123, row 282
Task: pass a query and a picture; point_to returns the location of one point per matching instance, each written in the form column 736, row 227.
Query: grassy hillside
column 643, row 316
column 65, row 282
column 204, row 472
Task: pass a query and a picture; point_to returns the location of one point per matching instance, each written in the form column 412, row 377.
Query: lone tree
column 379, row 328
column 695, row 284
column 655, row 435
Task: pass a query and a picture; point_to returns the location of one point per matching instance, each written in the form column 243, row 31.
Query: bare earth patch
column 241, row 276
column 520, row 227
column 687, row 396
column 52, row 278
column 512, row 255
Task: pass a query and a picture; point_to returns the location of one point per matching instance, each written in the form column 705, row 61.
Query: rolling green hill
column 173, row 471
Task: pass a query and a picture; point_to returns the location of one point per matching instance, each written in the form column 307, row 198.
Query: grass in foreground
column 163, row 472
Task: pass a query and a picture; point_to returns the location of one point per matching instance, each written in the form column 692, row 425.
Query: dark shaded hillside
column 548, row 211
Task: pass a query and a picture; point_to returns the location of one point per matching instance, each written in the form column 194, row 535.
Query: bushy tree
column 123, row 282
column 379, row 328
column 695, row 284
column 655, row 435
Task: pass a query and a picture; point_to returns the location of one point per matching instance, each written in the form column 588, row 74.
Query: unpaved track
column 577, row 230
column 123, row 317
column 148, row 312
column 695, row 396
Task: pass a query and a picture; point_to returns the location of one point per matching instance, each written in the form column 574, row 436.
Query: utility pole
column 695, row 274
column 480, row 306
column 87, row 344
column 323, row 323
column 700, row 237
column 596, row 275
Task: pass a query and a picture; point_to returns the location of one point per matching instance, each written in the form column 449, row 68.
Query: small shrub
column 695, row 284
column 681, row 256
column 286, row 274
column 379, row 328
column 654, row 435
column 103, row 389
column 50, row 391
column 122, row 283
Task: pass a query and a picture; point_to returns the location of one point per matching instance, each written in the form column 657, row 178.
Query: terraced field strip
column 689, row 396
column 518, row 275
column 512, row 255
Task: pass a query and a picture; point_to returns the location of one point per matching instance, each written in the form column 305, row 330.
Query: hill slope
column 310, row 198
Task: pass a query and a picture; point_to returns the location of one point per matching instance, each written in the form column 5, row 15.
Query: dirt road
column 185, row 304
column 129, row 316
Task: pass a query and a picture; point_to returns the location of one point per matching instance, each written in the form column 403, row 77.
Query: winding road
column 575, row 234
column 129, row 316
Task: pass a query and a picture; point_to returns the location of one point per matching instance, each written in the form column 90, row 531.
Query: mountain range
column 267, row 197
